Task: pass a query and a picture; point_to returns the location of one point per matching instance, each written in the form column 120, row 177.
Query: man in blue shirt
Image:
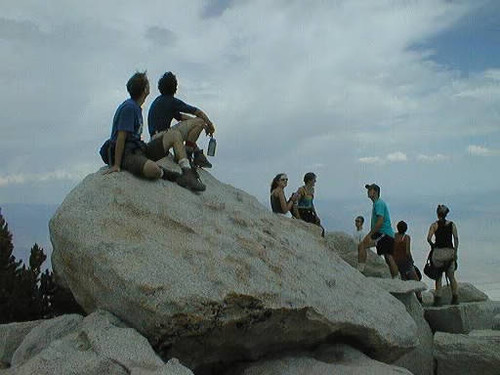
column 166, row 107
column 126, row 150
column 381, row 234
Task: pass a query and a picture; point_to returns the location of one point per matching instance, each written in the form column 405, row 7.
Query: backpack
column 431, row 271
column 107, row 152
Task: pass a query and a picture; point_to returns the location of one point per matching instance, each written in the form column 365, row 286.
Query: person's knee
column 151, row 170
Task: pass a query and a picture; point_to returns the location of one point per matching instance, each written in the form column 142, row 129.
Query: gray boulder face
column 344, row 246
column 11, row 336
column 215, row 276
column 462, row 318
column 466, row 293
column 419, row 361
column 340, row 360
column 475, row 353
column 43, row 334
column 496, row 322
column 99, row 344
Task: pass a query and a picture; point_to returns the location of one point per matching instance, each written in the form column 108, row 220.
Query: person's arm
column 454, row 232
column 285, row 206
column 432, row 230
column 210, row 129
column 407, row 242
column 119, row 148
column 184, row 117
column 377, row 226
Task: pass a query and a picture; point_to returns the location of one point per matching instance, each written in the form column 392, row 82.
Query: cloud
column 286, row 84
column 432, row 158
column 371, row 160
column 476, row 150
column 397, row 157
column 74, row 174
column 394, row 157
column 161, row 36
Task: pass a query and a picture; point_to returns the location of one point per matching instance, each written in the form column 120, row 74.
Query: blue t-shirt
column 163, row 109
column 380, row 209
column 128, row 117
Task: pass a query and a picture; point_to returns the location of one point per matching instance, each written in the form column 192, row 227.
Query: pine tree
column 9, row 269
column 27, row 293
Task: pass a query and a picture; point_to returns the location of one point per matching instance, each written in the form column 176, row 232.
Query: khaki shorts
column 441, row 256
column 183, row 127
column 133, row 161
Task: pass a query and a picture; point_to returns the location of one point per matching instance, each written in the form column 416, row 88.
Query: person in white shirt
column 359, row 233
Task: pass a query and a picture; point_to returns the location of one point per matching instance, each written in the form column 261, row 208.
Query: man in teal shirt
column 381, row 234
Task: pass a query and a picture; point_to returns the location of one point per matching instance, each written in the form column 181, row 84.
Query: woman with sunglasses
column 279, row 204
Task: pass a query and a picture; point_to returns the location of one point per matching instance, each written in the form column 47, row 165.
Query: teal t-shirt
column 380, row 209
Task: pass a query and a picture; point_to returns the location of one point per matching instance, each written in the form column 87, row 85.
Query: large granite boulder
column 215, row 276
column 11, row 336
column 343, row 245
column 420, row 361
column 475, row 353
column 337, row 360
column 462, row 318
column 98, row 344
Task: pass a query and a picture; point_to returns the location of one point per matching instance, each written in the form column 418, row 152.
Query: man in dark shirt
column 166, row 107
column 132, row 154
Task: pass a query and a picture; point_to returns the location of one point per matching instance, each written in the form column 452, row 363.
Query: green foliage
column 27, row 293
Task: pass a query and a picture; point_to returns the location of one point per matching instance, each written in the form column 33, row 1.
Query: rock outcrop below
column 464, row 317
column 97, row 344
column 475, row 353
column 215, row 276
column 338, row 360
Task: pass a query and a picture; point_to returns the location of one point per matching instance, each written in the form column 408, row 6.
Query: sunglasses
column 283, row 179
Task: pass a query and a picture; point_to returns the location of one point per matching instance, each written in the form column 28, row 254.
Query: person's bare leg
column 393, row 267
column 362, row 246
column 454, row 285
column 437, row 292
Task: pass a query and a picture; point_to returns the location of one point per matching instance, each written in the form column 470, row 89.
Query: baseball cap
column 373, row 186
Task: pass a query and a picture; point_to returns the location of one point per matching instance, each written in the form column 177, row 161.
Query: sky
column 404, row 93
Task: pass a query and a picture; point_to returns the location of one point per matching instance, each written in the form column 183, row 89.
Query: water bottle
column 211, row 147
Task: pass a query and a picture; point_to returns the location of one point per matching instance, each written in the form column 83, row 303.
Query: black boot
column 189, row 180
column 200, row 160
column 170, row 175
column 454, row 299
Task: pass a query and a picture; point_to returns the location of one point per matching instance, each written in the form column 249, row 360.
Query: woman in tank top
column 445, row 247
column 279, row 204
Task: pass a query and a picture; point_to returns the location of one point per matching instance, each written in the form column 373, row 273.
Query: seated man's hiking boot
column 189, row 180
column 200, row 160
column 170, row 175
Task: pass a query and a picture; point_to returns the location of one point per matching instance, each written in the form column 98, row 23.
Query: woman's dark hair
column 137, row 84
column 360, row 218
column 402, row 227
column 167, row 84
column 274, row 183
column 309, row 176
column 442, row 211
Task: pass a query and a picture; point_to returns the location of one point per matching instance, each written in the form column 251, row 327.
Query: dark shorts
column 383, row 243
column 134, row 160
column 405, row 267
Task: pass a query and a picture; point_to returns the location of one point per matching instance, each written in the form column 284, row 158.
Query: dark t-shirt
column 165, row 108
column 128, row 117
